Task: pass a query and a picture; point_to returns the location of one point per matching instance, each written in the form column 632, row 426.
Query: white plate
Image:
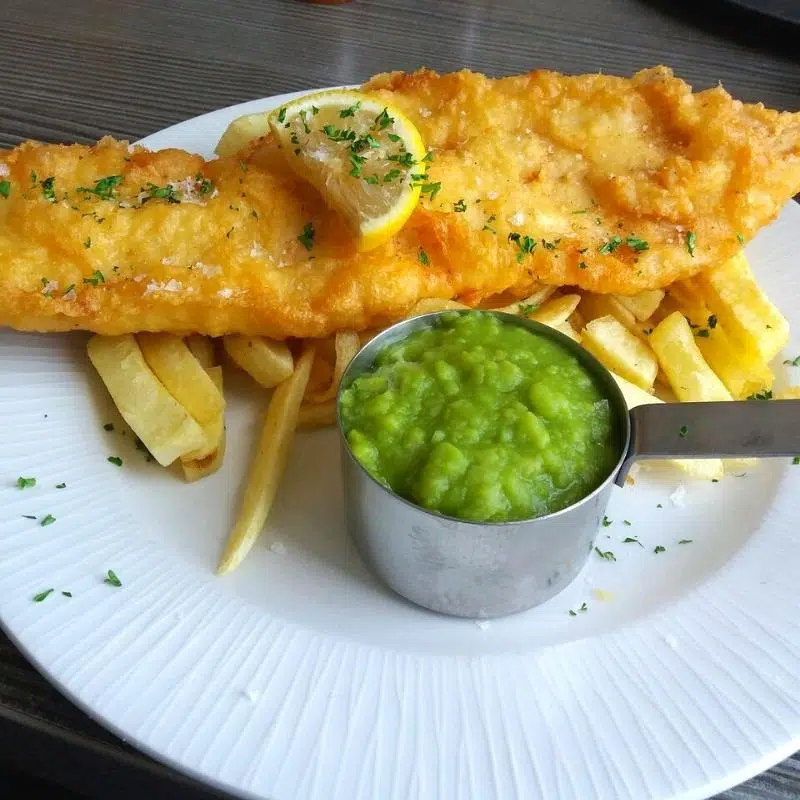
column 300, row 677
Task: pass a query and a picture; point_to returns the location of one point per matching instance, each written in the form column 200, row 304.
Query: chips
column 268, row 464
column 241, row 132
column 347, row 345
column 266, row 361
column 155, row 416
column 620, row 351
column 196, row 468
column 317, row 416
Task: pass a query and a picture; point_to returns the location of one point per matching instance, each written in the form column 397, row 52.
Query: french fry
column 317, row 416
column 266, row 361
column 202, row 348
column 594, row 306
column 556, row 312
column 196, row 468
column 528, row 305
column 642, row 305
column 687, row 371
column 620, row 351
column 567, row 329
column 430, row 305
column 739, row 303
column 738, row 367
column 241, row 132
column 268, row 464
column 155, row 416
column 706, row 468
column 321, row 375
column 789, row 393
column 347, row 345
column 185, row 379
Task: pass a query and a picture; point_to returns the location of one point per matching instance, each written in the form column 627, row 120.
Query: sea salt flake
column 483, row 624
column 425, row 112
column 225, row 293
column 170, row 286
column 4, row 170
column 278, row 547
column 678, row 497
column 209, row 270
column 492, row 195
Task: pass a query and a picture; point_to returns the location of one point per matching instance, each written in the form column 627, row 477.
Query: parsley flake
column 306, row 238
column 764, row 394
column 87, row 242
column 69, row 289
column 659, row 549
column 422, row 256
column 637, row 244
column 48, row 189
column 792, row 362
column 632, row 540
column 116, row 460
column 627, row 522
column 67, row 594
column 28, row 516
column 111, row 579
column 383, row 120
column 526, row 244
column 431, row 189
column 683, row 431
column 712, row 321
column 25, row 483
column 282, row 115
column 95, row 278
column 606, row 522
column 691, row 242
column 47, row 519
column 61, row 486
column 103, row 188
column 38, row 598
column 525, row 309
column 581, row 265
column 460, row 206
column 606, row 555
column 109, row 426
column 611, row 245
column 5, row 189
column 796, row 461
column 739, row 238
column 685, row 541
column 583, row 608
column 350, row 111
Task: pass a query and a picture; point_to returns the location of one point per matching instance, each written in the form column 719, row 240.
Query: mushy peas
column 481, row 420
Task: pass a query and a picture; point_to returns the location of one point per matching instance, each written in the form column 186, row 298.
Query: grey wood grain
column 75, row 70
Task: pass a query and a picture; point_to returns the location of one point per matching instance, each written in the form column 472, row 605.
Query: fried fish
column 609, row 184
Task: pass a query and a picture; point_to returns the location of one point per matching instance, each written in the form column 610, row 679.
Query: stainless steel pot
column 484, row 569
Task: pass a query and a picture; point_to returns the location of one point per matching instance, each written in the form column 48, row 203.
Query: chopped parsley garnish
column 764, row 394
column 627, row 522
column 116, row 460
column 95, row 278
column 391, row 175
column 111, row 579
column 87, row 242
column 206, row 184
column 303, row 115
column 103, row 188
column 460, row 205
column 606, row 555
column 658, row 505
column 685, row 541
column 154, row 192
column 383, row 120
column 314, row 111
column 37, row 598
column 339, row 134
column 109, row 426
column 796, row 461
column 606, row 522
column 428, row 156
column 527, row 308
column 243, row 166
column 306, row 238
column 351, row 110
column 422, row 256
column 61, row 486
column 67, row 594
column 430, row 188
column 365, row 143
column 703, row 333
column 712, row 321
column 356, row 164
column 526, row 244
column 792, row 362
column 581, row 211
column 282, row 115
column 611, row 245
column 583, row 607
column 739, row 238
column 659, row 549
column 403, row 159
column 26, row 483
column 47, row 519
column 393, row 137
column 48, row 189
column 581, row 265
column 69, row 289
column 28, row 516
column 691, row 242
column 5, row 188
column 637, row 244
column 683, row 431
column 632, row 540
column 293, row 139
column 550, row 245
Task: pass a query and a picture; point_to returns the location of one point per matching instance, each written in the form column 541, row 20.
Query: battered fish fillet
column 609, row 184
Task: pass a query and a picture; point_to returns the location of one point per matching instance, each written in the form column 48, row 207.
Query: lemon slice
column 364, row 157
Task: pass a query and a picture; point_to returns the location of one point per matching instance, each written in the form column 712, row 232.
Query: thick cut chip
column 268, row 464
column 739, row 303
column 241, row 132
column 620, row 351
column 347, row 345
column 155, row 416
column 644, row 304
column 594, row 306
column 687, row 371
column 194, row 469
column 556, row 312
column 319, row 415
column 202, row 348
column 266, row 361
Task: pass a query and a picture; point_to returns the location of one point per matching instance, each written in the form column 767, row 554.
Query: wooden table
column 79, row 69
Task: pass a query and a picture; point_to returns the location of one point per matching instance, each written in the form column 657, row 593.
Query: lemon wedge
column 366, row 158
